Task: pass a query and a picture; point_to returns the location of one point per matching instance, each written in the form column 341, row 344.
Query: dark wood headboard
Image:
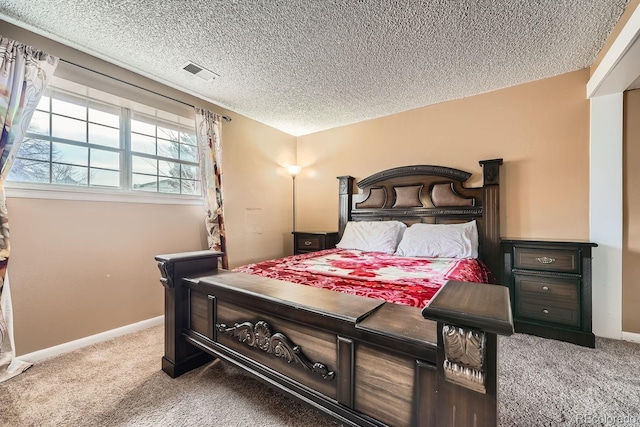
column 429, row 194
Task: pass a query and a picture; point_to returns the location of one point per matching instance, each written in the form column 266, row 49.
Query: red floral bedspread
column 400, row 280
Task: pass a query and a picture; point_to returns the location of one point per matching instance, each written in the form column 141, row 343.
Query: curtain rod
column 226, row 118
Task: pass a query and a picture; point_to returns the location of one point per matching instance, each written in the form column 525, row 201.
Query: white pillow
column 373, row 236
column 440, row 240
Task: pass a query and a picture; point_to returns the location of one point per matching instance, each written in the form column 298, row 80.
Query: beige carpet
column 542, row 383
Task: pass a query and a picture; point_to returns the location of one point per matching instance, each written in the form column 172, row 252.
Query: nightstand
column 550, row 288
column 311, row 241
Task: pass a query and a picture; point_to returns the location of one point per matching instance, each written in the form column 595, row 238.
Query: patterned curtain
column 210, row 149
column 24, row 73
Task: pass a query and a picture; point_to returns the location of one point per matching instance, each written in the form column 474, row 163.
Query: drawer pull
column 307, row 242
column 545, row 311
column 545, row 288
column 545, row 260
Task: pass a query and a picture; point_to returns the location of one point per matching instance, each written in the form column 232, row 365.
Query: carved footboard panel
column 359, row 360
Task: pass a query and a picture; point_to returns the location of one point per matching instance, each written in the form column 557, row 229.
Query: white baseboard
column 630, row 336
column 47, row 353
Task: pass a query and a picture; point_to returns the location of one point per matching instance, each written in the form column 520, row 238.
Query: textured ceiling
column 303, row 66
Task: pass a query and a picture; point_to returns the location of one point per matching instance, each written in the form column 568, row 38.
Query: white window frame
column 30, row 190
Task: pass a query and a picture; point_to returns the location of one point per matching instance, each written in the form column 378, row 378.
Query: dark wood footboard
column 469, row 316
column 178, row 356
column 362, row 361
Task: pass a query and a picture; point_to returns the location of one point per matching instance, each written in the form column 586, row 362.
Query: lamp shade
column 294, row 170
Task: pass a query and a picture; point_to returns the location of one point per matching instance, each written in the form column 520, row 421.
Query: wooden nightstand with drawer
column 550, row 288
column 311, row 241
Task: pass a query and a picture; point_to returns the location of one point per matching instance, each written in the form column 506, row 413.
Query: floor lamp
column 293, row 171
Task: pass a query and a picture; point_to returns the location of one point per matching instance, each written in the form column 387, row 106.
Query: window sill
column 13, row 190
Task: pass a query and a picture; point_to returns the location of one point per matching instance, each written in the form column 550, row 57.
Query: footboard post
column 180, row 356
column 469, row 316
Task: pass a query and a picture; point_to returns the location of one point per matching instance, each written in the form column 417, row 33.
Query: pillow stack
column 419, row 240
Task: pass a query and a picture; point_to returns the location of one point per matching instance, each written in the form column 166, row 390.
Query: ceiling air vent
column 199, row 71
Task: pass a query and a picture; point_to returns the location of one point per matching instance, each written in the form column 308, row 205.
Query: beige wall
column 631, row 214
column 257, row 191
column 541, row 129
column 79, row 268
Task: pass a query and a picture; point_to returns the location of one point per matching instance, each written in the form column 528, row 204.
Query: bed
column 426, row 359
column 404, row 280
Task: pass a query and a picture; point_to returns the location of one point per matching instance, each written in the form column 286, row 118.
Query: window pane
column 168, row 149
column 102, row 135
column 39, row 123
column 29, row 171
column 68, row 175
column 187, row 138
column 144, row 165
column 65, row 153
column 189, row 172
column 145, row 183
column 169, row 168
column 188, row 153
column 63, row 127
column 104, row 118
column 34, row 149
column 170, row 134
column 190, row 187
column 169, row 185
column 142, row 127
column 43, row 104
column 143, row 144
column 70, row 109
column 105, row 159
column 104, row 178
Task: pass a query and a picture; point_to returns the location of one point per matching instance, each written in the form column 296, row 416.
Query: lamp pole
column 293, row 171
column 294, row 202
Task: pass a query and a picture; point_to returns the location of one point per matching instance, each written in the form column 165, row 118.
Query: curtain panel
column 208, row 126
column 24, row 74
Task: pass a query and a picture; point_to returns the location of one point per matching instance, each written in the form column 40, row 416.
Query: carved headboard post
column 344, row 202
column 491, row 214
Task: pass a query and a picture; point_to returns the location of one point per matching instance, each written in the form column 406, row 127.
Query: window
column 75, row 141
column 164, row 157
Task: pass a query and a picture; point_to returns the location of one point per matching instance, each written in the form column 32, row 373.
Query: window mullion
column 125, row 156
column 50, row 135
column 86, row 127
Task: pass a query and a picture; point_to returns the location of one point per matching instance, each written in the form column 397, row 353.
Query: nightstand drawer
column 311, row 241
column 547, row 259
column 540, row 288
column 548, row 313
column 550, row 299
column 308, row 243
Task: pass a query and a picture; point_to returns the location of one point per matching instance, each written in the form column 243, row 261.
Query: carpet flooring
column 119, row 383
